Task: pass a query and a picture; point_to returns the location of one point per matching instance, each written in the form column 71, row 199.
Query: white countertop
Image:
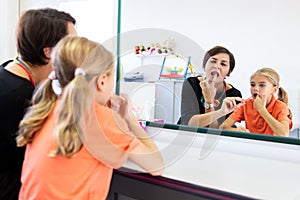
column 258, row 169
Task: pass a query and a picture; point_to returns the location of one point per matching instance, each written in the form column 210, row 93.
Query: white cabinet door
column 168, row 98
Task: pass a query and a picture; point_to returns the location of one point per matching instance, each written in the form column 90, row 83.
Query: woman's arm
column 191, row 114
column 228, row 105
column 206, row 119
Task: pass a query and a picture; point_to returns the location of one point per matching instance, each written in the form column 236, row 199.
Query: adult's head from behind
column 39, row 30
column 218, row 61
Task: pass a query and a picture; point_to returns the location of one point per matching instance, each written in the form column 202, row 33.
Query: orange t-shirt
column 79, row 177
column 254, row 122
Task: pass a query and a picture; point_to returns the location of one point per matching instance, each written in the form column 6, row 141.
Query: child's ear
column 275, row 89
column 100, row 82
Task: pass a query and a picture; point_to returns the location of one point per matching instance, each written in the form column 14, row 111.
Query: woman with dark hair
column 207, row 101
column 38, row 31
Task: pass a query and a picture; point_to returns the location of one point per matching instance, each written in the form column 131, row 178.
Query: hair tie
column 52, row 76
column 79, row 71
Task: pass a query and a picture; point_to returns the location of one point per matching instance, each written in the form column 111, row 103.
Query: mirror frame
column 213, row 131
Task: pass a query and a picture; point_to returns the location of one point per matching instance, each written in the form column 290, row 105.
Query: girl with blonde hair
column 263, row 113
column 74, row 140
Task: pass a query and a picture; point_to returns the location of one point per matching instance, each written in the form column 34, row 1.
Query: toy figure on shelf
column 142, row 50
column 136, row 49
column 167, row 47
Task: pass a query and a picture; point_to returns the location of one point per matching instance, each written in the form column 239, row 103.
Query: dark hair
column 38, row 29
column 216, row 50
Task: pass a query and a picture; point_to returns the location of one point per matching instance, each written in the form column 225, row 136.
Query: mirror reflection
column 258, row 34
column 207, row 100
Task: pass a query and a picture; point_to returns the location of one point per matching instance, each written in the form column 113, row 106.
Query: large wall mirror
column 258, row 33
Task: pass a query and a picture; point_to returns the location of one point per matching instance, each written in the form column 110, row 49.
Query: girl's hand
column 114, row 102
column 208, row 88
column 121, row 104
column 125, row 110
column 260, row 102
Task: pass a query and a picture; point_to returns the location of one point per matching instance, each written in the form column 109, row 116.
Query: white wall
column 31, row 4
column 8, row 19
column 96, row 20
column 259, row 33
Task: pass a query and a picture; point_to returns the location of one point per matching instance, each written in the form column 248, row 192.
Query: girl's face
column 262, row 87
column 217, row 67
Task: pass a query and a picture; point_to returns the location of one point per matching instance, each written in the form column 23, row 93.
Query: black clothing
column 15, row 95
column 192, row 99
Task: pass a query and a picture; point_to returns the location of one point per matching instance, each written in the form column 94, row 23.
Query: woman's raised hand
column 208, row 88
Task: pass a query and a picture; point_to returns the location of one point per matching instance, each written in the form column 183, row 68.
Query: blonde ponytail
column 77, row 62
column 41, row 105
column 75, row 102
column 283, row 96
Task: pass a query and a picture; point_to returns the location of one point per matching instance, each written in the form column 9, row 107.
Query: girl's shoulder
column 103, row 109
column 280, row 104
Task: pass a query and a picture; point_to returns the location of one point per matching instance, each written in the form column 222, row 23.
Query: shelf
column 152, row 55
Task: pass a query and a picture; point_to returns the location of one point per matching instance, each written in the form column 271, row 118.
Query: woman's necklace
column 26, row 68
column 217, row 101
